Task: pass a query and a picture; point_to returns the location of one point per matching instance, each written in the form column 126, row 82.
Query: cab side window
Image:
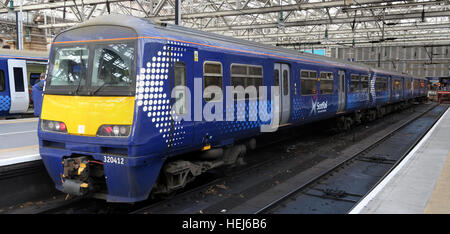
column 180, row 88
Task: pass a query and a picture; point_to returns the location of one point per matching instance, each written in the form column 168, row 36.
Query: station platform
column 18, row 141
column 420, row 183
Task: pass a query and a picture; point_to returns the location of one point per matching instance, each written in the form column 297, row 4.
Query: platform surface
column 420, row 183
column 18, row 141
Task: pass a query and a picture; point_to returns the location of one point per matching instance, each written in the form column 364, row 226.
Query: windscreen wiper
column 98, row 89
column 81, row 77
column 78, row 86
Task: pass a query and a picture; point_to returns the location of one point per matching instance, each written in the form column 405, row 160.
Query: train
column 133, row 108
column 439, row 89
column 19, row 70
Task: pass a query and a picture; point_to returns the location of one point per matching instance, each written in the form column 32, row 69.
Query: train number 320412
column 113, row 160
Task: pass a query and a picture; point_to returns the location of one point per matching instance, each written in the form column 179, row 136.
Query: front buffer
column 121, row 179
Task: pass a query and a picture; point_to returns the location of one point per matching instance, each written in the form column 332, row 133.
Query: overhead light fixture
column 11, row 6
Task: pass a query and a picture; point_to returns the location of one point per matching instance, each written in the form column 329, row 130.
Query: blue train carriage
column 387, row 90
column 107, row 127
column 18, row 72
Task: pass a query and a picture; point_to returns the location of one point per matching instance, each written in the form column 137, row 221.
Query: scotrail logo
column 318, row 107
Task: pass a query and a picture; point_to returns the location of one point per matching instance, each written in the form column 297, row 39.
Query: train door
column 341, row 91
column 18, row 85
column 277, row 82
column 282, row 79
column 390, row 85
column 181, row 77
column 371, row 87
column 402, row 80
column 4, row 93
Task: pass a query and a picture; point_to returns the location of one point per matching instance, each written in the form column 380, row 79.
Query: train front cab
column 14, row 95
column 88, row 138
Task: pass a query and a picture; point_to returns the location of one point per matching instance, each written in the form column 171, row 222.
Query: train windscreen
column 92, row 69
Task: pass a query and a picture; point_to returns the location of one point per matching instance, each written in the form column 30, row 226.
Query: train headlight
column 114, row 130
column 53, row 126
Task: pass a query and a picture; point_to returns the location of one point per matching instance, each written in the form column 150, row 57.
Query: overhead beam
column 341, row 20
column 159, row 7
column 356, row 31
column 403, row 44
column 408, row 43
column 349, row 41
column 294, row 7
column 362, row 38
column 306, row 23
column 61, row 4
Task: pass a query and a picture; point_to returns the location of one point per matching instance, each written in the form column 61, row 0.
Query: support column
column 177, row 12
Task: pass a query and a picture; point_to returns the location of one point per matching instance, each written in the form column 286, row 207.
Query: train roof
column 24, row 54
column 147, row 27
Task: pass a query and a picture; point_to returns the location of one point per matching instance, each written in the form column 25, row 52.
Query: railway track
column 326, row 189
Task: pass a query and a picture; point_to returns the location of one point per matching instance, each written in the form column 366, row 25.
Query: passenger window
column 308, row 82
column 408, row 85
column 397, row 85
column 18, row 79
column 285, row 83
column 416, row 84
column 381, row 84
column 180, row 88
column 364, row 83
column 212, row 75
column 326, row 83
column 246, row 76
column 2, row 81
column 354, row 83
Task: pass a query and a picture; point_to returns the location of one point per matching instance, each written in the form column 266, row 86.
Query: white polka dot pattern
column 152, row 89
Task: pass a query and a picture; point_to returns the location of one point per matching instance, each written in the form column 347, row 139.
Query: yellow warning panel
column 83, row 115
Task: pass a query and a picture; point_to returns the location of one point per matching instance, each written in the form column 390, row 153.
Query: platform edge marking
column 21, row 159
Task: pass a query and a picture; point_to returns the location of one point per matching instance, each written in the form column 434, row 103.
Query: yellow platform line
column 439, row 202
column 19, row 121
column 19, row 148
